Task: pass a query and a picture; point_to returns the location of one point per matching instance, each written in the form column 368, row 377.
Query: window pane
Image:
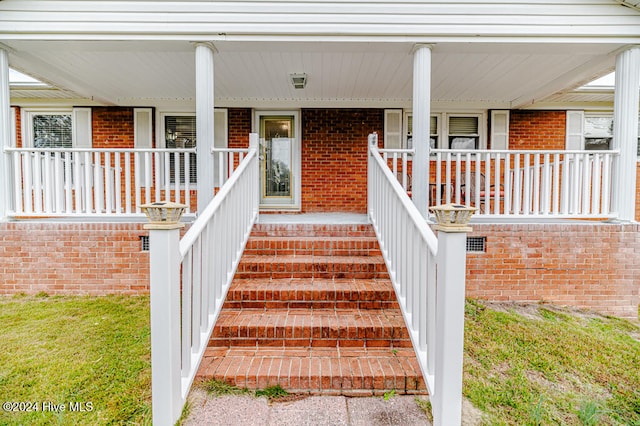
column 433, row 125
column 463, row 125
column 598, row 127
column 180, row 132
column 52, row 131
column 597, row 143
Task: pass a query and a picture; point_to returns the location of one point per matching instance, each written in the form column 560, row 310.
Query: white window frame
column 406, row 134
column 27, row 115
column 482, row 132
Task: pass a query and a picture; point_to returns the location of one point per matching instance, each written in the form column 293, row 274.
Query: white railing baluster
column 536, row 184
column 595, row 185
column 108, row 183
column 556, row 184
column 496, row 185
column 37, row 187
column 508, row 182
column 59, row 186
column 117, row 182
column 18, row 192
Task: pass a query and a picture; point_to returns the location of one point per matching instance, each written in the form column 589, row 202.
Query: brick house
column 135, row 86
column 480, row 104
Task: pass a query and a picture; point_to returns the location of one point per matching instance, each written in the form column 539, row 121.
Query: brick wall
column 239, row 125
column 592, row 265
column 537, row 129
column 73, row 258
column 334, row 158
column 112, row 127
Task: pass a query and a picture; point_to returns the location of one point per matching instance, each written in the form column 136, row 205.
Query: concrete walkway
column 400, row 410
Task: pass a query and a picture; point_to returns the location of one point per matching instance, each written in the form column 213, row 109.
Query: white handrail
column 409, row 248
column 413, row 255
column 202, row 268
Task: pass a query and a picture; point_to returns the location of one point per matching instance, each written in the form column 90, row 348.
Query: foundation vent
column 476, row 244
column 144, row 243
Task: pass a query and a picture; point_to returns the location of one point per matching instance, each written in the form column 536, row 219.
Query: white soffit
column 250, row 73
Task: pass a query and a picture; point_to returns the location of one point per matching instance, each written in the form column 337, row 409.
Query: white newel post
column 420, row 131
column 625, row 131
column 164, row 287
column 5, row 135
column 450, row 301
column 204, row 122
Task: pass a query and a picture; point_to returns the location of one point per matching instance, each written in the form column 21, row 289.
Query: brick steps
column 311, row 308
column 272, row 266
column 306, row 246
column 305, row 327
column 297, row 293
column 328, row 371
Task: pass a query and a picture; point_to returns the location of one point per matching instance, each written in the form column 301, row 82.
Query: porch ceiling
column 483, row 75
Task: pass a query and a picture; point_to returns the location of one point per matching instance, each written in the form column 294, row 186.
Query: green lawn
column 539, row 365
column 544, row 365
column 89, row 355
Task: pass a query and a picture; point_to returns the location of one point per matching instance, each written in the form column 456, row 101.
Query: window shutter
column 142, row 124
column 500, row 129
column 575, row 130
column 142, row 139
column 393, row 128
column 220, row 132
column 81, row 134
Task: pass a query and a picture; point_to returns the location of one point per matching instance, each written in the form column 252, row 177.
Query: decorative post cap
column 163, row 215
column 453, row 217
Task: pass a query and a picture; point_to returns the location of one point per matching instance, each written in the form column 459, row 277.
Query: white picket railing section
column 504, row 183
column 203, row 268
column 413, row 255
column 87, row 182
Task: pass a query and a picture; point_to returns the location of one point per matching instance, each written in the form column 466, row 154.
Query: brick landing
column 311, row 308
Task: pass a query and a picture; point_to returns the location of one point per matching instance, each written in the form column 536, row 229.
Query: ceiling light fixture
column 298, row 80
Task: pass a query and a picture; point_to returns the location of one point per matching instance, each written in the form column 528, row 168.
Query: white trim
column 296, row 204
column 143, row 127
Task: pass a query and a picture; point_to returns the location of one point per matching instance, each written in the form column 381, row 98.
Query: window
column 598, row 132
column 57, row 128
column 433, row 131
column 180, row 132
column 463, row 132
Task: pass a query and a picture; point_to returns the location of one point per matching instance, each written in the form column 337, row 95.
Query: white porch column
column 204, row 122
column 421, row 119
column 5, row 134
column 625, row 131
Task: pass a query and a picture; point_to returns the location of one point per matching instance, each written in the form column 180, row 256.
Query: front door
column 279, row 160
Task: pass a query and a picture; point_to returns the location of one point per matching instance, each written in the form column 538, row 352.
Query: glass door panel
column 277, row 144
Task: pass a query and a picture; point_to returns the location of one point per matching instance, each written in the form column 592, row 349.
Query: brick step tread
column 307, row 229
column 256, row 266
column 322, row 246
column 310, row 327
column 311, row 293
column 351, row 371
column 306, row 289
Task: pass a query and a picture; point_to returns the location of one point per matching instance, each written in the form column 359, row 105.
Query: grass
column 221, row 388
column 546, row 367
column 67, row 350
column 551, row 367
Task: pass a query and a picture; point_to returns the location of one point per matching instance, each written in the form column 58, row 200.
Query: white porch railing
column 419, row 264
column 189, row 283
column 504, row 183
column 111, row 182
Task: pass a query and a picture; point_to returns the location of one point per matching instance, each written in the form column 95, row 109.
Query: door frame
column 296, row 157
